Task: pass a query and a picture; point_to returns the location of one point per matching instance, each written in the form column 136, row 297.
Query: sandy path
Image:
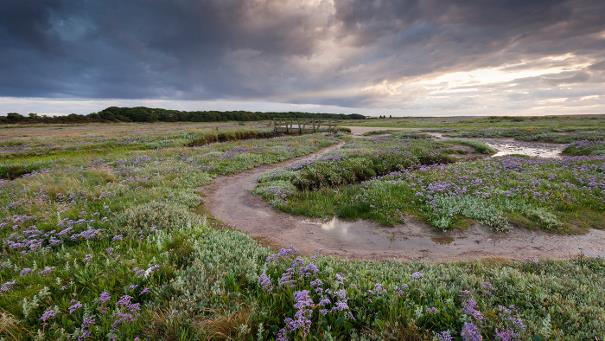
column 230, row 200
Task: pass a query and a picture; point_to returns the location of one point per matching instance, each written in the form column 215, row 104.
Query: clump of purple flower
column 304, row 310
column 265, row 282
column 470, row 308
column 104, row 297
column 417, row 275
column 444, row 336
column 74, row 305
column 7, row 286
column 48, row 315
column 470, row 332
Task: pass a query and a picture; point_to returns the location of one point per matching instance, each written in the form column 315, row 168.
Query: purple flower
column 340, row 279
column 281, row 335
column 8, row 286
column 506, row 335
column 144, row 291
column 324, row 302
column 47, row 270
column 439, row 186
column 470, row 332
column 281, row 253
column 341, row 301
column 87, row 258
column 518, row 323
column 400, row 289
column 74, row 305
column 109, row 250
column 134, row 307
column 87, row 322
column 487, row 286
column 87, row 234
column 444, row 336
column 48, row 314
column 309, row 269
column 139, row 272
column 317, row 286
column 470, row 308
column 378, row 289
column 25, row 271
column 432, row 310
column 304, row 311
column 121, row 318
column 303, row 299
column 417, row 275
column 151, row 270
column 265, row 282
column 104, row 297
column 117, row 238
column 124, row 301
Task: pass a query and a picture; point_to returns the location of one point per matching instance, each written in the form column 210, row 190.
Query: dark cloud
column 317, row 52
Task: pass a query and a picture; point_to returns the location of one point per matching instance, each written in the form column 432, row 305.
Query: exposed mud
column 230, row 200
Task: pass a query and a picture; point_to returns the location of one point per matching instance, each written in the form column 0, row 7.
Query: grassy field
column 112, row 241
column 553, row 129
column 395, row 177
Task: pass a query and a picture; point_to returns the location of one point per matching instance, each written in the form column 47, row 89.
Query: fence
column 303, row 126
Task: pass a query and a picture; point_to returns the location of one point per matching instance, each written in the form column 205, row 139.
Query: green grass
column 482, row 123
column 501, row 193
column 196, row 279
column 585, row 147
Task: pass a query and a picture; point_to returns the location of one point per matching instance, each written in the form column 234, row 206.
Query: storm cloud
column 408, row 57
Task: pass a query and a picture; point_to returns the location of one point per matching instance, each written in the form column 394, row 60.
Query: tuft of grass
column 479, row 147
column 232, row 135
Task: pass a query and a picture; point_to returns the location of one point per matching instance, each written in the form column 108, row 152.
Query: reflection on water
column 510, row 147
column 415, row 240
column 335, row 224
column 534, row 150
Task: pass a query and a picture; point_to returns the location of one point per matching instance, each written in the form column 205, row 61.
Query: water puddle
column 513, row 147
column 417, row 241
column 543, row 150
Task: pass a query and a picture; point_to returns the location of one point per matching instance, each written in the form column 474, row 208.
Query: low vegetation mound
column 558, row 195
column 234, row 135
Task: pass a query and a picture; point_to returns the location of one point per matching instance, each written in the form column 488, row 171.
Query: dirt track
column 230, row 200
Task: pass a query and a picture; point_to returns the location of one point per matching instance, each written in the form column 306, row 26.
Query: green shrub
column 231, row 136
column 158, row 215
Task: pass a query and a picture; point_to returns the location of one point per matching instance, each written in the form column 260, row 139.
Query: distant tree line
column 144, row 114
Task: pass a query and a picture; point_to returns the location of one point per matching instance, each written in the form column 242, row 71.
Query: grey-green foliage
column 446, row 207
column 158, row 215
column 277, row 192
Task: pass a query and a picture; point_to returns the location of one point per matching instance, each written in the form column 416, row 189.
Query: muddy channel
column 230, row 200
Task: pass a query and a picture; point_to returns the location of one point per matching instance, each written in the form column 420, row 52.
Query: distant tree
column 14, row 117
column 144, row 114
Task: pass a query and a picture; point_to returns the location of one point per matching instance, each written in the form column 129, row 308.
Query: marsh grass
column 233, row 135
column 135, row 227
column 130, row 222
column 559, row 196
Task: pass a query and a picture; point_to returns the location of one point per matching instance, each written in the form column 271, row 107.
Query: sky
column 375, row 57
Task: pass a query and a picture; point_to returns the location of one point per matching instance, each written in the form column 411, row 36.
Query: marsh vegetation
column 105, row 235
